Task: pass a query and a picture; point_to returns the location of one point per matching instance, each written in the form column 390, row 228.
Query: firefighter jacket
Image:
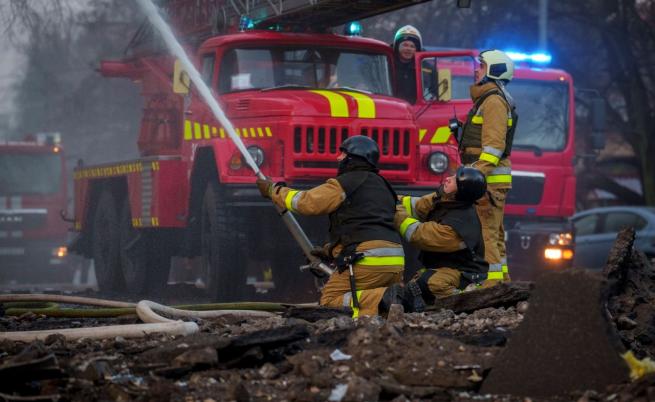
column 447, row 232
column 487, row 135
column 361, row 208
column 406, row 81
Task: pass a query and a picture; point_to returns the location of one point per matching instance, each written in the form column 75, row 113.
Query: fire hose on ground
column 145, row 310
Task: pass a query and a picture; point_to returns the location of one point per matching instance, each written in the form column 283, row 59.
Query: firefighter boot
column 409, row 297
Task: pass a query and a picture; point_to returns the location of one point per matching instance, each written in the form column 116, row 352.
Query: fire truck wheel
column 132, row 252
column 106, row 244
column 144, row 263
column 222, row 271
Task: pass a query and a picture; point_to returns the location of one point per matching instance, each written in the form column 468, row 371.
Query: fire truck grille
column 312, row 140
column 526, row 190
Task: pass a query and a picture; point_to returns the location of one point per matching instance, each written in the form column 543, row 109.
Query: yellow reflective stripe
column 510, row 122
column 365, row 104
column 188, row 132
column 406, row 223
column 222, row 132
column 495, row 275
column 421, row 133
column 355, row 309
column 493, row 159
column 477, row 119
column 268, row 131
column 288, row 200
column 380, row 261
column 196, row 131
column 500, row 178
column 260, row 132
column 407, row 203
column 505, row 269
column 441, row 135
column 338, row 104
column 205, row 129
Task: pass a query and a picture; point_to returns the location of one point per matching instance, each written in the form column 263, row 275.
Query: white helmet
column 499, row 64
column 407, row 32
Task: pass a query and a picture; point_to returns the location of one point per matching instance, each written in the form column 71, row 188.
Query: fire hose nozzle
column 317, row 268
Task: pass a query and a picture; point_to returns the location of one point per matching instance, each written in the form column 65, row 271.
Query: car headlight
column 438, row 162
column 560, row 239
column 257, row 154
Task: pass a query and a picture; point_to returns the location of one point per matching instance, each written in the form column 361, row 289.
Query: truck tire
column 145, row 264
column 224, row 275
column 106, row 244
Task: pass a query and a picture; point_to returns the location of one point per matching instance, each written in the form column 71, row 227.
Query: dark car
column 596, row 230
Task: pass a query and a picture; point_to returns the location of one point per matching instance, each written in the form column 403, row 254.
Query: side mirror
column 597, row 116
column 444, row 85
column 181, row 80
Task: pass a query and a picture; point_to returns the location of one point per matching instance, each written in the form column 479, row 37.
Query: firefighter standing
column 364, row 244
column 486, row 144
column 445, row 227
column 406, row 43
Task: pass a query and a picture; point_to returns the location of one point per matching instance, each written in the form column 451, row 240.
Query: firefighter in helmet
column 406, row 43
column 445, row 227
column 486, row 144
column 364, row 245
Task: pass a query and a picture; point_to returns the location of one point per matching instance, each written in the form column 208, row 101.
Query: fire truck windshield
column 303, row 67
column 36, row 173
column 542, row 107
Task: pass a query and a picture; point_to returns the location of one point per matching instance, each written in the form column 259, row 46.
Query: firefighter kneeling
column 364, row 245
column 445, row 227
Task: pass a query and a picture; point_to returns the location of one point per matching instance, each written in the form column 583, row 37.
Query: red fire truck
column 293, row 93
column 32, row 196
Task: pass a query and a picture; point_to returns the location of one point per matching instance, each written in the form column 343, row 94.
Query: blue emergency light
column 540, row 58
column 245, row 23
column 353, row 29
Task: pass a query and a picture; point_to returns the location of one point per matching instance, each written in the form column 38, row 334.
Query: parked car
column 596, row 230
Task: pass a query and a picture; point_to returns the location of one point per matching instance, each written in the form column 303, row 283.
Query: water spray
column 176, row 49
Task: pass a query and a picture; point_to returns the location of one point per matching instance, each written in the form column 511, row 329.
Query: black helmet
column 471, row 184
column 363, row 147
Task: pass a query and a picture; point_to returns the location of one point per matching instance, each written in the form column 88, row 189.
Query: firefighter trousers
column 444, row 282
column 370, row 281
column 491, row 210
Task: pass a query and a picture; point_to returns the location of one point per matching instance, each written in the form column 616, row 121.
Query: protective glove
column 265, row 187
column 321, row 253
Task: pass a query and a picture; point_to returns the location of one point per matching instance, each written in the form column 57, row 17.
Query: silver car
column 596, row 230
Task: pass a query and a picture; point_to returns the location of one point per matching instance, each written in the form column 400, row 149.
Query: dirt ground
column 432, row 356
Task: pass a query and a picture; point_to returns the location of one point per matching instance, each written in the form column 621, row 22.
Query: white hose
column 154, row 322
column 111, row 331
column 86, row 301
column 144, row 310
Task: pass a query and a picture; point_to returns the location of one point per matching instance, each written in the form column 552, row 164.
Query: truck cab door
column 443, row 80
column 442, row 88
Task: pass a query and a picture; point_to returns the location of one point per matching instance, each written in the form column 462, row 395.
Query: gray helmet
column 471, row 184
column 363, row 147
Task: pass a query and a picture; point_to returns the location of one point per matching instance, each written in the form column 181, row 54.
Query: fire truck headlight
column 560, row 239
column 438, row 162
column 257, row 154
column 556, row 254
column 60, row 252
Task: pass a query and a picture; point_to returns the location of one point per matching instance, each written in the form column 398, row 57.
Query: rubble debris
column 338, row 355
column 501, row 295
column 564, row 343
column 631, row 295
